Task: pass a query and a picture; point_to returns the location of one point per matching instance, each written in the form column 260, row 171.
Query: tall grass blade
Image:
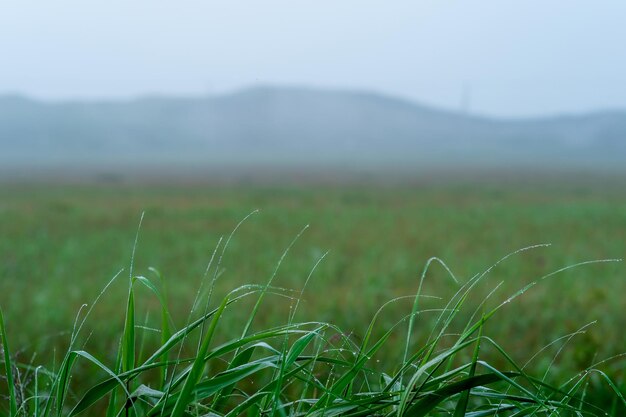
column 461, row 408
column 166, row 331
column 8, row 367
column 186, row 395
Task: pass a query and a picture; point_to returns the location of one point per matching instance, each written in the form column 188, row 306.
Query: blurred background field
column 59, row 246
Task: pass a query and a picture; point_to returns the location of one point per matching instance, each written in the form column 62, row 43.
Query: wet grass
column 60, row 246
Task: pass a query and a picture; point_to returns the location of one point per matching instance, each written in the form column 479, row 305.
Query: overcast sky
column 498, row 57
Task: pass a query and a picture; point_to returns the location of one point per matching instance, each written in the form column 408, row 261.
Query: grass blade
column 8, row 367
column 461, row 408
column 185, row 396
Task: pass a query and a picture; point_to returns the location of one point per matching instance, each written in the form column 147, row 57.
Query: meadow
column 355, row 248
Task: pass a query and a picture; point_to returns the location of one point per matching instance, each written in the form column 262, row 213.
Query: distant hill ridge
column 292, row 127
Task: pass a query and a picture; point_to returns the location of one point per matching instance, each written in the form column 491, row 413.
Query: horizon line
column 302, row 87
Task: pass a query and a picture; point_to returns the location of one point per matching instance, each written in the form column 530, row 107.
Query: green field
column 59, row 246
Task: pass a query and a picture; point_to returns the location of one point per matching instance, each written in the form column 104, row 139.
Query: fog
column 117, row 89
column 511, row 59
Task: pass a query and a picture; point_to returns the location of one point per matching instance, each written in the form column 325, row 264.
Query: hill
column 294, row 128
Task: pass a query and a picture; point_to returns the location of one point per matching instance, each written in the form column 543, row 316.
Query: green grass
column 300, row 368
column 60, row 246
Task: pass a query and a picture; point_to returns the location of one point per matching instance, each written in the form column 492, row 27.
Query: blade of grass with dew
column 292, row 313
column 128, row 335
column 8, row 367
column 211, row 287
column 111, row 407
column 165, row 318
column 612, row 385
column 60, row 383
column 36, row 399
column 461, row 408
column 185, row 396
column 219, row 261
column 166, row 330
column 216, row 273
column 416, row 301
column 267, row 285
column 262, row 293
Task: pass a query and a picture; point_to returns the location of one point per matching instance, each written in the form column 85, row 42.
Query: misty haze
column 313, row 208
column 289, row 128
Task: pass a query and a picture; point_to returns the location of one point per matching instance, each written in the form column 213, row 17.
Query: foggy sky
column 504, row 58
